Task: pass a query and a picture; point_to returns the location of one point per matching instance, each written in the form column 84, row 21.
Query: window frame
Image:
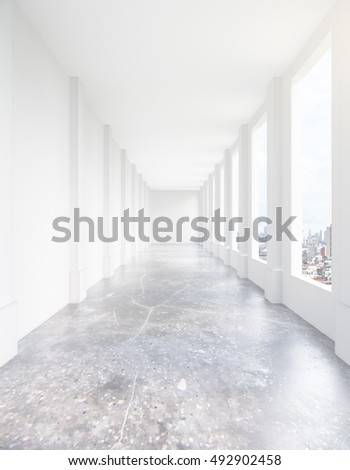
column 296, row 203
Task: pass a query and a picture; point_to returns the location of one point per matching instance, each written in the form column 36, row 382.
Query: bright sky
column 316, row 172
column 315, row 100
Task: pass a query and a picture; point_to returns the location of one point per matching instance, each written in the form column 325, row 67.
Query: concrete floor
column 175, row 352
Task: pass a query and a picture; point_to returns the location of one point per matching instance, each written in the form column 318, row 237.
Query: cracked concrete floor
column 175, row 352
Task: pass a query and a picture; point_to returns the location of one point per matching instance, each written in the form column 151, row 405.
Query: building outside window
column 312, row 166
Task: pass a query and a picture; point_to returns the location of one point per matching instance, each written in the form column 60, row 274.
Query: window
column 259, row 184
column 312, row 166
column 235, row 195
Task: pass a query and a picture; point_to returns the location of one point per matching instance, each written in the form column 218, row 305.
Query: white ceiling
column 175, row 78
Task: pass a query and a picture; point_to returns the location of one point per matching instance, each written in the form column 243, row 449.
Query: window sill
column 325, row 287
column 262, row 261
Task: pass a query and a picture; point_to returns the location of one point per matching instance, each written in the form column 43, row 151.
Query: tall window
column 235, row 195
column 259, row 184
column 312, row 166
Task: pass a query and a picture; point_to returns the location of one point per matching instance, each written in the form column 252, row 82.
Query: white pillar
column 123, row 200
column 8, row 310
column 341, row 176
column 201, row 203
column 146, row 206
column 78, row 270
column 216, row 244
column 116, row 207
column 205, row 200
column 133, row 200
column 145, row 198
column 205, row 210
column 108, row 259
column 211, row 212
column 273, row 281
column 228, row 204
column 244, row 186
column 140, row 204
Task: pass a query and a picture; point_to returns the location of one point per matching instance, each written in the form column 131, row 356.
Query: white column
column 244, row 186
column 145, row 198
column 216, row 244
column 205, row 209
column 211, row 212
column 140, row 203
column 228, row 205
column 8, row 310
column 273, row 281
column 341, row 176
column 108, row 261
column 205, row 199
column 78, row 270
column 123, row 200
column 146, row 206
column 201, row 203
column 133, row 207
column 116, row 207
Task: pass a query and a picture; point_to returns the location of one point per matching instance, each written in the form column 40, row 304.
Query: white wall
column 116, row 195
column 8, row 307
column 53, row 157
column 341, row 172
column 128, row 204
column 41, row 176
column 93, row 191
column 175, row 204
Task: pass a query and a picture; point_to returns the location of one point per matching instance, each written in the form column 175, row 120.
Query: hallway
column 175, row 352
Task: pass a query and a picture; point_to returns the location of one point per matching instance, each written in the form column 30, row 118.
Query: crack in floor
column 126, row 415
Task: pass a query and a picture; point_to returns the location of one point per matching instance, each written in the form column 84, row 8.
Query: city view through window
column 312, row 95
